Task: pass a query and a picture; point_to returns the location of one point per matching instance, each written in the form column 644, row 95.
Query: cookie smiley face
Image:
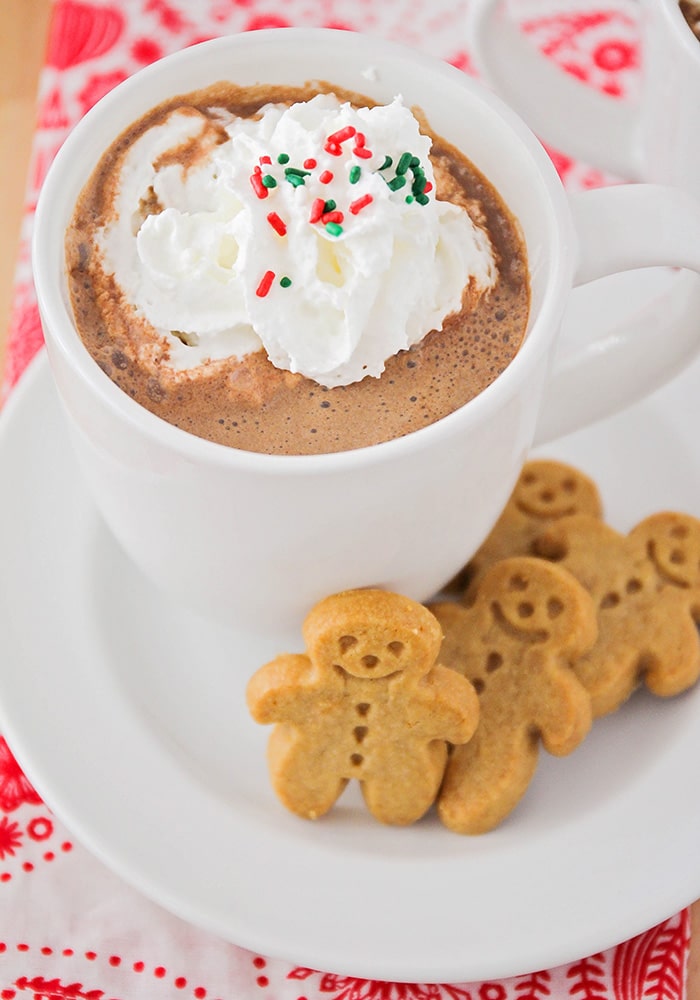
column 545, row 492
column 673, row 546
column 526, row 613
column 398, row 639
column 549, row 490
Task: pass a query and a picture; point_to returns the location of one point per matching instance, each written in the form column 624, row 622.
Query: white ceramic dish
column 128, row 716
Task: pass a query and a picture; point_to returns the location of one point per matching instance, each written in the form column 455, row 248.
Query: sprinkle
column 360, row 203
column 326, row 177
column 422, row 199
column 265, row 159
column 360, row 139
column 419, row 183
column 310, row 163
column 285, row 282
column 333, row 228
column 341, row 135
column 265, row 284
column 283, row 158
column 333, row 148
column 329, row 205
column 257, row 184
column 409, row 199
column 428, row 187
column 295, row 172
column 354, row 174
column 296, row 180
column 277, row 224
column 404, row 163
column 415, row 162
column 331, row 217
column 269, row 181
column 387, row 162
column 318, row 207
column 397, row 183
column 362, row 152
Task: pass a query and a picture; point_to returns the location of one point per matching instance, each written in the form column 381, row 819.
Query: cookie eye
column 525, row 609
column 493, row 662
column 568, row 485
column 478, row 685
column 346, row 642
column 610, row 600
column 677, row 557
column 517, row 583
column 554, row 607
column 370, row 661
column 529, row 478
column 679, row 531
column 395, row 647
column 633, row 586
column 547, row 496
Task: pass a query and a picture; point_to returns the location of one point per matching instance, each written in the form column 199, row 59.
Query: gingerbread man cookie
column 368, row 701
column 516, row 643
column 545, row 491
column 646, row 586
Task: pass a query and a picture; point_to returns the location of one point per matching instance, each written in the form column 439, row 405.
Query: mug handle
column 565, row 113
column 621, row 228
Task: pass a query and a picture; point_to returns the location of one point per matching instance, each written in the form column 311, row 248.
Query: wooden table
column 22, row 46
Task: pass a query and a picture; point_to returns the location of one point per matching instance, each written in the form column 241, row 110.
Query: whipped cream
column 311, row 231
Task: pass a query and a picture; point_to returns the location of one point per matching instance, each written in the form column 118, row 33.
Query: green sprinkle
column 285, row 282
column 354, row 174
column 283, row 158
column 409, row 199
column 296, row 172
column 295, row 180
column 329, row 206
column 415, row 162
column 404, row 163
column 269, row 181
column 422, row 199
column 387, row 162
column 333, row 228
column 418, row 186
column 397, row 183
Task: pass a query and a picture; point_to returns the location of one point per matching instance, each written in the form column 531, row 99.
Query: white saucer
column 128, row 716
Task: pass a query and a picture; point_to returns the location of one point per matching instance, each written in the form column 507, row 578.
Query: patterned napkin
column 69, row 928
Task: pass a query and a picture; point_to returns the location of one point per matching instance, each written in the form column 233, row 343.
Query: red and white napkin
column 69, row 928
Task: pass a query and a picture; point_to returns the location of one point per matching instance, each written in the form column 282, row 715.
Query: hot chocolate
column 691, row 12
column 395, row 294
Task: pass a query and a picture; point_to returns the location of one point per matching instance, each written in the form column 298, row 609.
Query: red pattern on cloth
column 70, row 929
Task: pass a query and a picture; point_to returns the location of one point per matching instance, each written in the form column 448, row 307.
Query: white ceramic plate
column 128, row 716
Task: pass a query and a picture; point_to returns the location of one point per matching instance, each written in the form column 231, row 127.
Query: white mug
column 255, row 540
column 655, row 138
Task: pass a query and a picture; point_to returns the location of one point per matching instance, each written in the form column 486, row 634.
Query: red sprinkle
column 360, row 203
column 326, row 177
column 341, row 135
column 265, row 159
column 257, row 184
column 316, row 209
column 332, row 217
column 428, row 187
column 265, row 284
column 362, row 152
column 277, row 224
column 309, row 164
column 333, row 148
column 360, row 139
